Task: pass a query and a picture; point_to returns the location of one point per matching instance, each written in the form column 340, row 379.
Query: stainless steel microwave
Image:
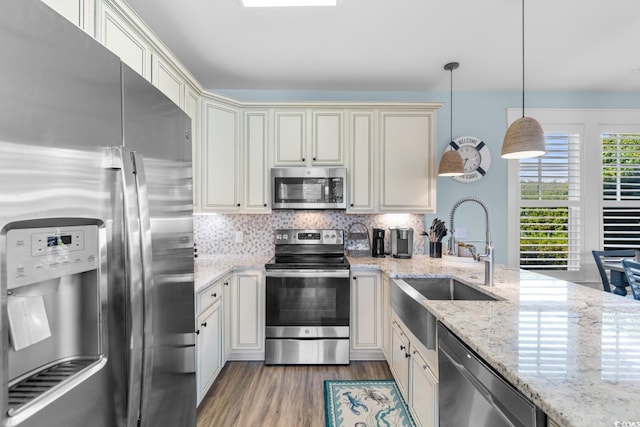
column 309, row 188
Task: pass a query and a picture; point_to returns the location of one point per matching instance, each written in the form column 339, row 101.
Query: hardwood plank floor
column 251, row 394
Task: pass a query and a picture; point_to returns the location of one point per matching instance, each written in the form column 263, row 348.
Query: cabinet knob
column 226, row 283
column 303, row 159
column 402, row 347
column 214, row 295
column 203, row 324
column 198, row 332
column 265, row 205
column 314, row 159
column 238, row 205
column 407, row 355
column 355, row 277
column 351, row 204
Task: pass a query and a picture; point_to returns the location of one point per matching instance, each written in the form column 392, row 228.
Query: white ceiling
column 382, row 45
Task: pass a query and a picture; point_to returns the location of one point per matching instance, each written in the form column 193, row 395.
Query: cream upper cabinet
column 221, row 151
column 308, row 137
column 192, row 108
column 256, row 169
column 328, row 138
column 290, row 139
column 166, row 78
column 124, row 39
column 79, row 12
column 361, row 142
column 407, row 161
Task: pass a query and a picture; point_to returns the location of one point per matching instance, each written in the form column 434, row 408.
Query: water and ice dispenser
column 53, row 307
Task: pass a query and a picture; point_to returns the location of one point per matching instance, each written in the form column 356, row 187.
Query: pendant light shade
column 525, row 137
column 451, row 162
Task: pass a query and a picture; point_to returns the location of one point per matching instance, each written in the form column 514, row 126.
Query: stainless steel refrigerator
column 96, row 235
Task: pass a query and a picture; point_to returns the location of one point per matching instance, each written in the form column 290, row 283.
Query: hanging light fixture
column 525, row 137
column 451, row 162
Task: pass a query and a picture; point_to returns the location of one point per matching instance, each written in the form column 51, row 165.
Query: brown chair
column 610, row 256
column 632, row 272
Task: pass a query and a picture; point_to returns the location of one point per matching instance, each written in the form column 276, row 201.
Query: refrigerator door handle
column 136, row 275
column 147, row 282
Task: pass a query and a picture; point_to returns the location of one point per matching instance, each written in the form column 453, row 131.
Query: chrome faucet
column 487, row 257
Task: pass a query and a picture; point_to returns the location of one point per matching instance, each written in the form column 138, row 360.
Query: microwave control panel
column 37, row 254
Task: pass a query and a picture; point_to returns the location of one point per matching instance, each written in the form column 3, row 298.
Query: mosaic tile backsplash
column 216, row 234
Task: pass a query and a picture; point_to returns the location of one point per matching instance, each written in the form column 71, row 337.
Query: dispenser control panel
column 37, row 254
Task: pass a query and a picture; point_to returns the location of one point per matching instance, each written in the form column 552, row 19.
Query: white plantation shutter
column 621, row 190
column 549, row 205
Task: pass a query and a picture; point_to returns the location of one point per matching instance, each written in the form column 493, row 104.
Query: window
column 583, row 195
column 549, row 205
column 621, row 190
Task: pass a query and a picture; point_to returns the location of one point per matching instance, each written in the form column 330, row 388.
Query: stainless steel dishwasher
column 472, row 394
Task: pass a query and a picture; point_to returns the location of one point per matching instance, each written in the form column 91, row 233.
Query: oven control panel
column 315, row 237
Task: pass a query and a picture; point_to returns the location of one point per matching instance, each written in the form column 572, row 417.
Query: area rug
column 374, row 403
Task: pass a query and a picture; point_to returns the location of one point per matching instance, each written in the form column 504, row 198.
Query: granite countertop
column 209, row 268
column 574, row 351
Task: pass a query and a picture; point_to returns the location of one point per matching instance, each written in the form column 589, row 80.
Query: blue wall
column 479, row 114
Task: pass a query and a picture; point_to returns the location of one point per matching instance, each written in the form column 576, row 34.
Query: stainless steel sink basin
column 447, row 289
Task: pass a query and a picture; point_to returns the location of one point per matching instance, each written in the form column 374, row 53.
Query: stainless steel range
column 308, row 299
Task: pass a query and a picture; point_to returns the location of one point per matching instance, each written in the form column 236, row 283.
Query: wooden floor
column 251, row 394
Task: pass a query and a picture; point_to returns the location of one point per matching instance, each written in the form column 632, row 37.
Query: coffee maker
column 378, row 243
column 401, row 242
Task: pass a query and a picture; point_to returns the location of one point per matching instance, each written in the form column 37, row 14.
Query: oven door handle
column 308, row 273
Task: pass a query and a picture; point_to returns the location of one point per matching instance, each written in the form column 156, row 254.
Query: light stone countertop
column 209, row 268
column 574, row 351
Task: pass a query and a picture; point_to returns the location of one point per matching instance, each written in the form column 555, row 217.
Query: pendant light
column 451, row 162
column 525, row 137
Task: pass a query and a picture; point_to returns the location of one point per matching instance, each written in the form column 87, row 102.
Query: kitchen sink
column 447, row 289
column 409, row 294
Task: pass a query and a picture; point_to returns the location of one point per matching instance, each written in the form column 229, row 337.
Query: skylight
column 288, row 3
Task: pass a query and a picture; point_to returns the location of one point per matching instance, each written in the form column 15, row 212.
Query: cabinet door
column 423, row 394
column 407, row 161
column 386, row 317
column 256, row 171
column 220, row 170
column 328, row 138
column 124, row 40
column 79, row 12
column 400, row 359
column 366, row 301
column 192, row 108
column 167, row 79
column 247, row 315
column 361, row 162
column 290, row 138
column 209, row 351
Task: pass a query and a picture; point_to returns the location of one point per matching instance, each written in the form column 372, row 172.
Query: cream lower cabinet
column 415, row 378
column 209, row 341
column 366, row 321
column 246, row 317
column 386, row 315
column 423, row 391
